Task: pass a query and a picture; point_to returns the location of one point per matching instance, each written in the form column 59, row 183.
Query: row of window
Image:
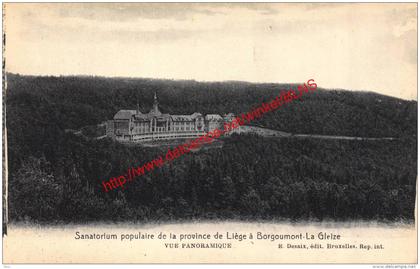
column 136, row 138
column 182, row 128
column 191, row 123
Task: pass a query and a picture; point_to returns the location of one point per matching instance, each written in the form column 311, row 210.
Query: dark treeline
column 74, row 102
column 56, row 176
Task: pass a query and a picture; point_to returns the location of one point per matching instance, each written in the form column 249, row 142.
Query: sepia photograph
column 210, row 133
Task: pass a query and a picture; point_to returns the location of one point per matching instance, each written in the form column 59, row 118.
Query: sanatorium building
column 134, row 126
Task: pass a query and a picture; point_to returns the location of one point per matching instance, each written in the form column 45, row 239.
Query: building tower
column 155, row 108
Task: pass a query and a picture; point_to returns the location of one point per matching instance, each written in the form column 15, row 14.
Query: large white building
column 134, row 126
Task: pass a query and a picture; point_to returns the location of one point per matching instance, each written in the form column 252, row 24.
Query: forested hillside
column 56, row 176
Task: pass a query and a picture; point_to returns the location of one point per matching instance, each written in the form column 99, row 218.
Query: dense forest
column 55, row 176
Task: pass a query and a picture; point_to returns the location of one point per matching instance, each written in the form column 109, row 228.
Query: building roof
column 213, row 117
column 196, row 114
column 124, row 114
column 182, row 117
column 186, row 117
column 149, row 116
column 155, row 113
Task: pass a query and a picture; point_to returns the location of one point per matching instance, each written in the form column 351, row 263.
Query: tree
column 34, row 194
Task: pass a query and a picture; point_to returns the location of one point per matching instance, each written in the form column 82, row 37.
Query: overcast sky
column 351, row 46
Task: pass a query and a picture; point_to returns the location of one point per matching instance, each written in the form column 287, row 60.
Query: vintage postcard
column 210, row 133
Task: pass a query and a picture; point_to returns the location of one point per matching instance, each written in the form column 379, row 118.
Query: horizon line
column 198, row 81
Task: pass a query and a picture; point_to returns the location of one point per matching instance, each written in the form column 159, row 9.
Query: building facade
column 134, row 126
